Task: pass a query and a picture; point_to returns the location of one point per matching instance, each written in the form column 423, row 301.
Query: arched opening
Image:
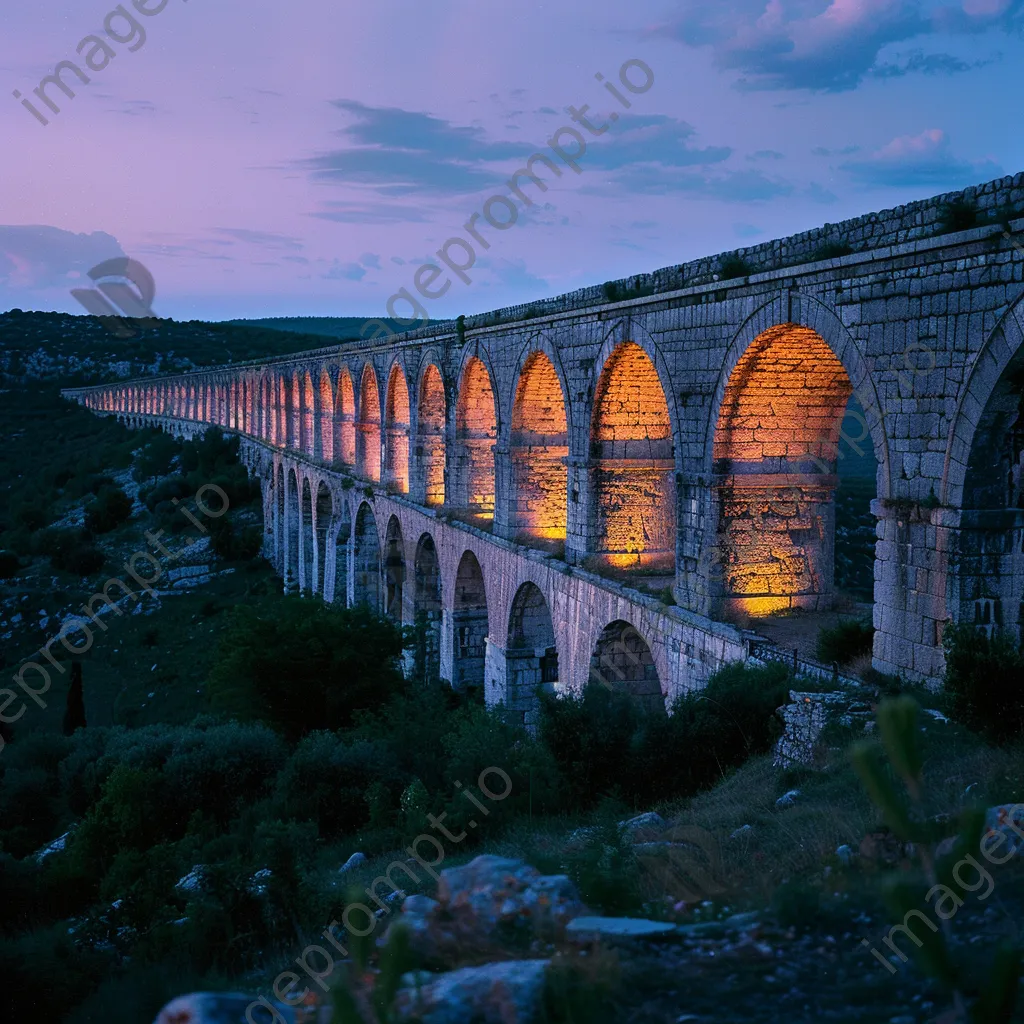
column 622, row 662
column 394, row 570
column 427, row 611
column 306, row 540
column 341, row 525
column 476, row 432
column 990, row 562
column 279, row 521
column 396, row 420
column 366, row 577
column 368, row 432
column 470, row 626
column 775, row 452
column 633, row 465
column 283, row 419
column 532, row 655
column 345, row 421
column 322, row 523
column 291, row 535
column 296, row 430
column 308, row 410
column 326, row 418
column 539, row 449
column 430, row 434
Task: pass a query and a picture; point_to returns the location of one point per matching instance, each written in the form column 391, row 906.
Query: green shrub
column 958, row 215
column 326, row 780
column 233, row 542
column 70, row 550
column 734, row 266
column 983, row 677
column 841, row 643
column 110, row 509
column 10, row 565
column 336, row 661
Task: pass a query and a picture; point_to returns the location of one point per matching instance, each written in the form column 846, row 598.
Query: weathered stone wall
column 924, row 326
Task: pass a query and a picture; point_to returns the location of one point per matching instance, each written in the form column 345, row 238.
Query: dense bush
column 333, row 661
column 108, row 510
column 845, row 641
column 234, row 541
column 983, row 681
column 70, row 550
column 10, row 564
column 606, row 745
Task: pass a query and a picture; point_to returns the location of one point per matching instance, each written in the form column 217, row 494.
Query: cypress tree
column 74, row 713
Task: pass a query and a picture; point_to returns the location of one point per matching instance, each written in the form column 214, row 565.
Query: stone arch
column 337, row 587
column 345, row 420
column 622, row 662
column 366, row 558
column 291, row 532
column 988, row 378
column 470, row 625
column 632, row 459
column 531, row 657
column 326, row 417
column 539, row 447
column 308, row 410
column 396, row 429
column 427, row 608
column 775, row 446
column 984, row 479
column 807, row 312
column 394, row 571
column 368, row 427
column 322, row 521
column 476, row 434
column 305, row 537
column 295, row 412
column 279, row 520
column 431, row 417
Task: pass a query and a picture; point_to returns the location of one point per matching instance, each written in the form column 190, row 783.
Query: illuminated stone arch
column 427, row 609
column 470, row 626
column 772, row 448
column 394, row 571
column 345, row 420
column 303, row 402
column 476, row 434
column 366, row 559
column 623, row 663
column 539, row 449
column 396, row 428
column 632, row 464
column 431, row 424
column 368, row 427
column 326, row 425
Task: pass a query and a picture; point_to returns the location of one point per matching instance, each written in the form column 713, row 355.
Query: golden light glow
column 539, row 450
column 633, row 464
column 775, row 447
column 396, row 418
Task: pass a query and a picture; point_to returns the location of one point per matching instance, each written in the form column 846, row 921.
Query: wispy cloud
column 923, row 160
column 830, row 46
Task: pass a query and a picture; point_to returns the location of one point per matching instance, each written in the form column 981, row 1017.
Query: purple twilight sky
column 268, row 159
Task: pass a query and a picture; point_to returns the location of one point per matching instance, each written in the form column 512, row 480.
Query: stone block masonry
column 671, row 429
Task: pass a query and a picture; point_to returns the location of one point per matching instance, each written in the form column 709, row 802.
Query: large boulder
column 222, row 1008
column 487, row 904
column 499, row 993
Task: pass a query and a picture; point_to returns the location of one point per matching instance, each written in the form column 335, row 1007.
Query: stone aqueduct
column 530, row 480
